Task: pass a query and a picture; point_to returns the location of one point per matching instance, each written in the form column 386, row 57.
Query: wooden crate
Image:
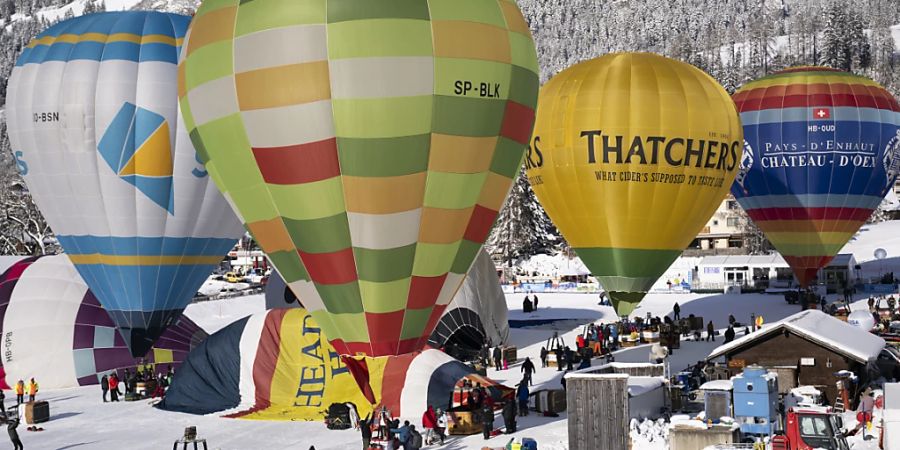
column 463, row 423
column 510, row 353
column 37, row 412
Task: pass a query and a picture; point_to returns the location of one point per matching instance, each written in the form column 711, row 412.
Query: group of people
column 528, row 305
column 109, row 384
column 406, row 436
column 11, row 418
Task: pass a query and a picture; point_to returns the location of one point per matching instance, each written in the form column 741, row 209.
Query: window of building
column 733, row 222
column 732, row 204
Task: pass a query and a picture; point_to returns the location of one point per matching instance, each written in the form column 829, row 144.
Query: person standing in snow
column 676, row 311
column 710, row 332
column 509, row 417
column 560, row 359
column 20, row 392
column 544, row 354
column 528, row 369
column 487, row 421
column 11, row 425
column 104, row 385
column 498, row 358
column 114, row 388
column 32, row 390
column 429, row 423
column 535, row 302
column 522, row 396
column 440, row 425
column 729, row 334
column 526, row 305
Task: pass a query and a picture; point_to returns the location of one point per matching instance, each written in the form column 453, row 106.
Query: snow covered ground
column 138, row 426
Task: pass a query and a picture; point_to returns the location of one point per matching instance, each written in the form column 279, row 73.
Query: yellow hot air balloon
column 631, row 155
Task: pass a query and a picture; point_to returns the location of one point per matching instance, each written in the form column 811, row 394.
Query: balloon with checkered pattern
column 367, row 146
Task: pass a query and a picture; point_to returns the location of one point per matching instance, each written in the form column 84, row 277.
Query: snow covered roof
column 642, row 385
column 744, row 260
column 842, row 259
column 817, row 327
column 717, row 385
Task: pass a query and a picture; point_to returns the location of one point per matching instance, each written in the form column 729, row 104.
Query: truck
column 811, row 428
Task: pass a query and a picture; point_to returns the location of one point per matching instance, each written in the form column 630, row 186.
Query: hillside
column 733, row 40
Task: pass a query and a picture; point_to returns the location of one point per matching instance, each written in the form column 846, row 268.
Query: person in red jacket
column 429, row 422
column 114, row 388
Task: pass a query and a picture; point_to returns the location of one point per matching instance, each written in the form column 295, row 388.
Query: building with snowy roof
column 806, row 349
column 767, row 271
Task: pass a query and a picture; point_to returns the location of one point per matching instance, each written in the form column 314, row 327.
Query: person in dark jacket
column 570, row 357
column 544, row 354
column 498, row 358
column 729, row 334
column 560, row 359
column 710, row 332
column 365, row 428
column 11, row 425
column 509, row 417
column 676, row 311
column 487, row 421
column 526, row 305
column 535, row 302
column 528, row 369
column 104, row 384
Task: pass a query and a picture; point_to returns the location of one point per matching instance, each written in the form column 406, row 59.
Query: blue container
column 756, row 401
column 529, row 444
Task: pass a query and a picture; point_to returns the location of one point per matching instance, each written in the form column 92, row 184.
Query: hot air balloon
column 631, row 155
column 55, row 330
column 93, row 121
column 367, row 148
column 820, row 154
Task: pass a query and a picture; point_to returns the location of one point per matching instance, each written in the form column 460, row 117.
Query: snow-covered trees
column 844, row 45
column 522, row 227
column 733, row 40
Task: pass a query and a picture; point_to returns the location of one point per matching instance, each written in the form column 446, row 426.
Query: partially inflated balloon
column 93, row 120
column 631, row 154
column 822, row 149
column 367, row 146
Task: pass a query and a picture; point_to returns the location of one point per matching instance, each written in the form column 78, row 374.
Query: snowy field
column 138, row 426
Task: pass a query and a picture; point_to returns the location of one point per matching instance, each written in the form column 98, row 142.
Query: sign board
column 737, row 363
column 808, row 362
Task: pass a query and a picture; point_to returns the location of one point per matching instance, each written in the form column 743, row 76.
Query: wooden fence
column 598, row 411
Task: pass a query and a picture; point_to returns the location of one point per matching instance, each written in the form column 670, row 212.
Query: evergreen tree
column 522, row 227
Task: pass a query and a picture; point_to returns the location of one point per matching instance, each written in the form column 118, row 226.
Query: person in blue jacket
column 522, row 395
column 402, row 434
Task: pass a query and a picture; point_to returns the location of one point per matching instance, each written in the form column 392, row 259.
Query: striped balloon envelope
column 367, row 146
column 93, row 120
column 277, row 365
column 822, row 148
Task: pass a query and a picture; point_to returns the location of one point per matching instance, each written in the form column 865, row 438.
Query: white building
column 766, row 271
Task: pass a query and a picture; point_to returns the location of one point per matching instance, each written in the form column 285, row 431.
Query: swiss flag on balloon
column 822, row 113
